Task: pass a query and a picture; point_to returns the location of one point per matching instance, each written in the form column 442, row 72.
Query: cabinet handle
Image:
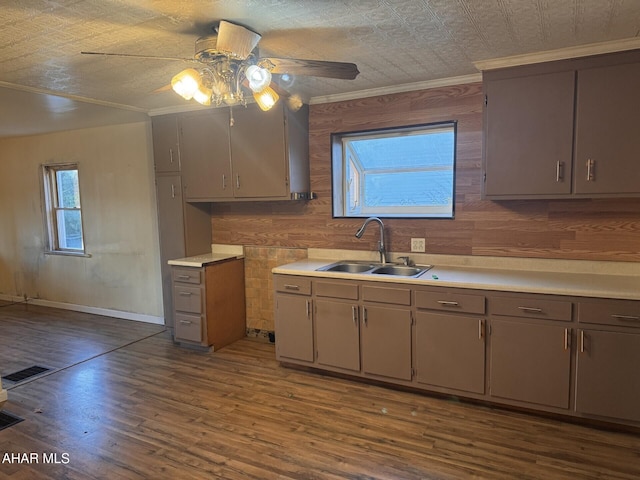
column 447, row 303
column 185, row 294
column 559, row 171
column 364, row 316
column 289, row 286
column 581, row 341
column 566, row 339
column 626, row 318
column 238, row 181
column 530, row 309
column 480, row 329
column 173, row 191
column 308, row 308
column 171, row 155
column 354, row 314
column 224, row 181
column 184, row 277
column 186, row 322
column 591, row 175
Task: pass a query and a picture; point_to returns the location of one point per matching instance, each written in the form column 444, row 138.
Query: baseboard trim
column 107, row 312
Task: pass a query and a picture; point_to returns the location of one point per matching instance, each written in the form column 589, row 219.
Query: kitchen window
column 396, row 172
column 63, row 213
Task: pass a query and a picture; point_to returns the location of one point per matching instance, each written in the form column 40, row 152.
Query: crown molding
column 406, row 87
column 559, row 54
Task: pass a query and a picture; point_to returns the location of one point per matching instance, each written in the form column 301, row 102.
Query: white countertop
column 218, row 253
column 582, row 284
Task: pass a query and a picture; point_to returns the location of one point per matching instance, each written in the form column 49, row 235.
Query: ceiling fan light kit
column 228, row 63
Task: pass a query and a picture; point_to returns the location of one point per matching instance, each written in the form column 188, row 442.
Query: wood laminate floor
column 146, row 409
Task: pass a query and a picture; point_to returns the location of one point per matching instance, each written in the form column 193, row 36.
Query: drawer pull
column 530, row 309
column 626, row 318
column 448, row 303
column 184, row 277
column 185, row 294
column 186, row 322
column 288, row 286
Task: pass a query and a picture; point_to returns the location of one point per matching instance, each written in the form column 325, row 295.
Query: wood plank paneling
column 570, row 229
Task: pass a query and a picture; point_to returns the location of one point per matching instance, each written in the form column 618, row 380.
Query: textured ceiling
column 393, row 42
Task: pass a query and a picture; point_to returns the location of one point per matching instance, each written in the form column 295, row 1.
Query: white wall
column 119, row 217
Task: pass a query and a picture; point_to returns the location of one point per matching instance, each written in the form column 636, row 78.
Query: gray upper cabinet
column 563, row 129
column 166, row 152
column 262, row 156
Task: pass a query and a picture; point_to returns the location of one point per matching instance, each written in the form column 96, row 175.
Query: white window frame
column 343, row 185
column 51, row 208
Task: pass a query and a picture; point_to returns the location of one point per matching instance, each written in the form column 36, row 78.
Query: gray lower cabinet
column 293, row 319
column 338, row 334
column 530, row 362
column 607, row 359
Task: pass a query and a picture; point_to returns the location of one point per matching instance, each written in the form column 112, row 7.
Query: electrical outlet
column 418, row 245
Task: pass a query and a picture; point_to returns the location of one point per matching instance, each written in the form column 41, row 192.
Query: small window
column 397, row 172
column 62, row 209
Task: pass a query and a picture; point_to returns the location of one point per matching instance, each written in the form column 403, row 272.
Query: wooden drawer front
column 397, row 296
column 450, row 301
column 291, row 284
column 188, row 327
column 624, row 313
column 337, row 290
column 186, row 275
column 531, row 307
column 187, row 299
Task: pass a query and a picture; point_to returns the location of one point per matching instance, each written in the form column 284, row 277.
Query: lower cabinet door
column 294, row 328
column 530, row 362
column 450, row 351
column 188, row 327
column 338, row 334
column 607, row 378
column 386, row 341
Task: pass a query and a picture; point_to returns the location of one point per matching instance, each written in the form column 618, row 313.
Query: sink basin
column 402, row 270
column 348, row 267
column 353, row 266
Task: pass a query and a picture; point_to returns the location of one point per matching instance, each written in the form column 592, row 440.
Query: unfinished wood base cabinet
column 565, row 355
column 209, row 303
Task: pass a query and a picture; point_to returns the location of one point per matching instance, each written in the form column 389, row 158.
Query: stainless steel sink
column 370, row 268
column 403, row 270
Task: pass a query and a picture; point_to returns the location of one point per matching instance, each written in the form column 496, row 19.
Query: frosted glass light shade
column 266, row 99
column 259, row 78
column 186, row 83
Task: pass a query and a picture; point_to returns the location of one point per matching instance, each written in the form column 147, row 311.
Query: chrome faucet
column 381, row 247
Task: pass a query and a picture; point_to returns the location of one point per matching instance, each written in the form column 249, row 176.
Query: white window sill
column 67, row 254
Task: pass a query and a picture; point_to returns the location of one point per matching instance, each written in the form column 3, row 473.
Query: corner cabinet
column 262, row 156
column 563, row 129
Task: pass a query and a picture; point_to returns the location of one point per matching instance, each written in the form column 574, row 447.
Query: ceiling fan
column 227, row 65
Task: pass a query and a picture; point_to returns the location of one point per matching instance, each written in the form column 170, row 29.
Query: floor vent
column 7, row 420
column 23, row 375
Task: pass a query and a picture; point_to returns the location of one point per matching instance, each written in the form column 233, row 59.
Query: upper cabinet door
column 528, row 135
column 260, row 159
column 206, row 166
column 607, row 138
column 166, row 154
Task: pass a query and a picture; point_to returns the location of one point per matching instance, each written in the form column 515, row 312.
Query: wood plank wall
column 603, row 229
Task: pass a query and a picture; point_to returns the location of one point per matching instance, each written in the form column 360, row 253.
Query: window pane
column 68, row 191
column 398, row 172
column 69, row 229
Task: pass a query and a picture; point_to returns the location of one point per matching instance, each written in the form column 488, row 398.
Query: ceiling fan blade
column 164, row 88
column 130, row 55
column 236, row 40
column 314, row 68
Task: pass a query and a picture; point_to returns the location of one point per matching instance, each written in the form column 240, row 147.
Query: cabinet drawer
column 450, row 301
column 624, row 313
column 531, row 307
column 337, row 290
column 397, row 296
column 187, row 299
column 188, row 327
column 186, row 275
column 291, row 284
